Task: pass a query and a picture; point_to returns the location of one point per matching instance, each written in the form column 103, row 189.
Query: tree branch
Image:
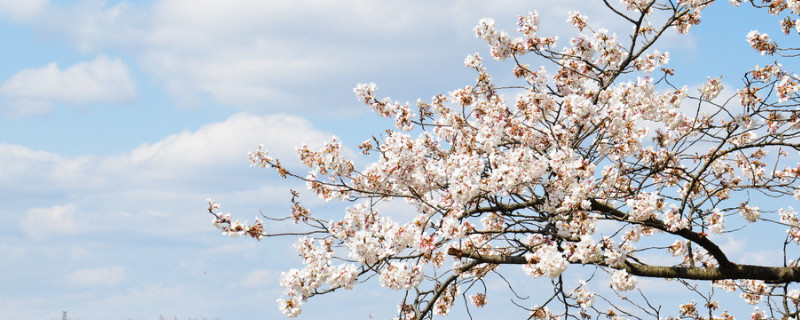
column 687, row 234
column 735, row 271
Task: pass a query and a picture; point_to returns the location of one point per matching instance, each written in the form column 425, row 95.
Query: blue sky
column 118, row 119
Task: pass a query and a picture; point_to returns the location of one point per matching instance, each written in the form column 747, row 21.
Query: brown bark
column 687, row 234
column 733, row 271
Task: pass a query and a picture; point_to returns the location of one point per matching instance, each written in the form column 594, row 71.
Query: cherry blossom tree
column 599, row 170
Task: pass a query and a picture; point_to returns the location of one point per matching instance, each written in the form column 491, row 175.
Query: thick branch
column 504, row 208
column 735, row 271
column 687, row 234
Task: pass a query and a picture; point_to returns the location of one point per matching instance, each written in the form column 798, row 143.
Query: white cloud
column 150, row 189
column 22, row 10
column 268, row 55
column 227, row 143
column 129, row 222
column 259, row 278
column 56, row 220
column 99, row 277
column 102, row 80
column 26, row 173
column 754, row 252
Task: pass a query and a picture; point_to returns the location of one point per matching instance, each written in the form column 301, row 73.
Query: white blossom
column 622, row 281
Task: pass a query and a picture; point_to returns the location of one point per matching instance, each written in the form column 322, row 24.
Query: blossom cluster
column 234, row 228
column 318, row 271
column 789, row 218
column 546, row 260
column 711, row 88
column 761, row 42
column 583, row 296
column 503, row 46
column 622, row 281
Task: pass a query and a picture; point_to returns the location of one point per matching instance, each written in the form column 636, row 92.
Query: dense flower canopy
column 590, row 161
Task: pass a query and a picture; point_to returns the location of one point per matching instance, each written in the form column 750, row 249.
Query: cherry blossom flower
column 577, row 19
column 716, row 221
column 749, row 213
column 478, row 299
column 753, row 291
column 401, row 276
column 761, row 42
column 622, row 281
column 582, row 296
column 712, row 88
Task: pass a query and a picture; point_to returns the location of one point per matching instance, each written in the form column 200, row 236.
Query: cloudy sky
column 118, row 119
